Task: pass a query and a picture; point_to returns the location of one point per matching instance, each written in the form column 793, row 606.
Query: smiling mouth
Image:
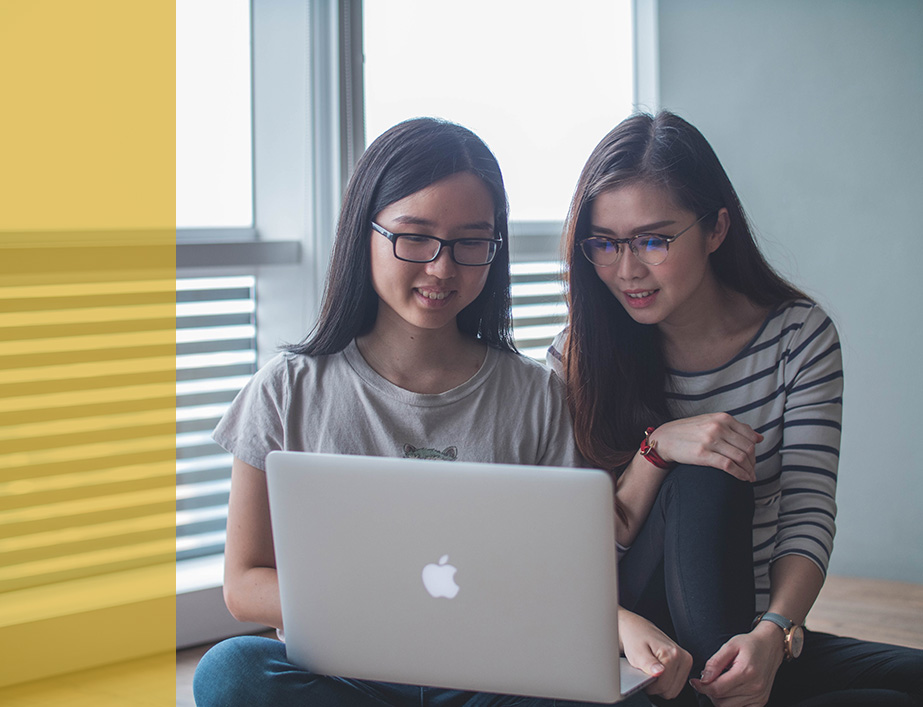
column 639, row 295
column 434, row 295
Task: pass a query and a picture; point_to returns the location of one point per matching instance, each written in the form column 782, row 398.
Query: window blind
column 539, row 309
column 215, row 357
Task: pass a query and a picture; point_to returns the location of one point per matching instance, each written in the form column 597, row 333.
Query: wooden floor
column 875, row 610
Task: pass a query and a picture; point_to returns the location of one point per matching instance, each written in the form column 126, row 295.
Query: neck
column 421, row 360
column 711, row 331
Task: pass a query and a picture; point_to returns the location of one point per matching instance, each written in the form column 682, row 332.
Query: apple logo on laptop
column 439, row 580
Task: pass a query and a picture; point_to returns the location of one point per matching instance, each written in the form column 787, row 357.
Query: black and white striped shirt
column 787, row 384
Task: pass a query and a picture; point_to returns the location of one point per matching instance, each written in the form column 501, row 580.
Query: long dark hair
column 400, row 162
column 615, row 368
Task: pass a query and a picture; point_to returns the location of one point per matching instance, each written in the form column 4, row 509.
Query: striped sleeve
column 813, row 379
column 554, row 359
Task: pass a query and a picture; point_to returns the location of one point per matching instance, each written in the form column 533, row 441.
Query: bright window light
column 214, row 166
column 541, row 83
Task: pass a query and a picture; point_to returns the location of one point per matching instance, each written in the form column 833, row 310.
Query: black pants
column 690, row 572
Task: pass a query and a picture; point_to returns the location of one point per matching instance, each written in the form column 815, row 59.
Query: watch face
column 796, row 641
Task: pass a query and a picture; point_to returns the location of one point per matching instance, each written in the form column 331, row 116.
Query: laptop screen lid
column 483, row 577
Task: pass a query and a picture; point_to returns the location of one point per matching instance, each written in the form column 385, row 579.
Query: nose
column 443, row 266
column 628, row 266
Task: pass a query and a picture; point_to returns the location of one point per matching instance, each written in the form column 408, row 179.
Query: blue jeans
column 250, row 670
column 690, row 571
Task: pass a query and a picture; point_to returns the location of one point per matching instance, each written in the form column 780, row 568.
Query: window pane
column 213, row 126
column 540, row 83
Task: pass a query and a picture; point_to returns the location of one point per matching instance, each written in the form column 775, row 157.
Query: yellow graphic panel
column 87, row 352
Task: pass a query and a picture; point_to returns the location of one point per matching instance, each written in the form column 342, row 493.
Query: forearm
column 251, row 585
column 253, row 596
column 795, row 584
column 636, row 490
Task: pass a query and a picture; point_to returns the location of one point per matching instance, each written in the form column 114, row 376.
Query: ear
column 715, row 238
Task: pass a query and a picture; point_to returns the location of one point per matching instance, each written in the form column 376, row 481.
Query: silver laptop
column 482, row 577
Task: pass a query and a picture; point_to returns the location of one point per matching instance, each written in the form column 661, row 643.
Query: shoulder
column 287, row 372
column 798, row 323
column 292, row 365
column 526, row 373
column 814, row 319
column 808, row 338
column 282, row 368
column 797, row 314
column 554, row 357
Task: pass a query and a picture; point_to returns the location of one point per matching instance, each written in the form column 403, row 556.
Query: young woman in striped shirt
column 693, row 371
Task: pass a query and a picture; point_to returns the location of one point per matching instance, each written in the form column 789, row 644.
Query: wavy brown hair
column 615, row 368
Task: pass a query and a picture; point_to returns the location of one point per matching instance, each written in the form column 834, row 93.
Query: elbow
column 233, row 601
column 627, row 526
column 625, row 534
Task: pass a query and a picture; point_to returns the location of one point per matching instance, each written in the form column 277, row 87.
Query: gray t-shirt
column 513, row 410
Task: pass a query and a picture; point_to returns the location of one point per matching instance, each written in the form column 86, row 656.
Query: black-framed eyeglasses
column 649, row 248
column 418, row 248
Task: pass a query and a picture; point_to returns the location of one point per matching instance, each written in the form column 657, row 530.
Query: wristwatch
column 794, row 634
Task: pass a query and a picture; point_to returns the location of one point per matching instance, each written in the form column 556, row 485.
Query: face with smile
column 677, row 290
column 430, row 295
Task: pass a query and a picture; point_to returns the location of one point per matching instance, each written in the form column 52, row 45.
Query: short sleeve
column 561, row 447
column 254, row 424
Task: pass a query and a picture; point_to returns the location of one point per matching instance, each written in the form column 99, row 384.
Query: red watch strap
column 649, row 452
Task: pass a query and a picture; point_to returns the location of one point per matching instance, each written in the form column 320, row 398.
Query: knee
column 709, row 486
column 231, row 672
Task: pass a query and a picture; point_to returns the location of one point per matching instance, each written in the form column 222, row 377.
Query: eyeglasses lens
column 474, row 252
column 601, row 251
column 416, row 248
column 604, row 252
column 423, row 249
column 652, row 251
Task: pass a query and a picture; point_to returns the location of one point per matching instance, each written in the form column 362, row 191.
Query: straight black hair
column 403, row 160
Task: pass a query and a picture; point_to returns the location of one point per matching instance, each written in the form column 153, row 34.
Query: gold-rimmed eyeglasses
column 649, row 248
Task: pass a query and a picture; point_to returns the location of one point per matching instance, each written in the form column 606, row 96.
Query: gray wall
column 816, row 111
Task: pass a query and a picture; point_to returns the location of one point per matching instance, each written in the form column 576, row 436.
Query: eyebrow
column 641, row 229
column 407, row 220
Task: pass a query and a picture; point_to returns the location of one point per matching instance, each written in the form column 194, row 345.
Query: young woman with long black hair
column 685, row 357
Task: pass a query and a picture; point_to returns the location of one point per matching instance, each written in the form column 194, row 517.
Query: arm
column 251, row 585
column 650, row 650
column 635, row 491
column 804, row 535
column 715, row 440
column 252, row 427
